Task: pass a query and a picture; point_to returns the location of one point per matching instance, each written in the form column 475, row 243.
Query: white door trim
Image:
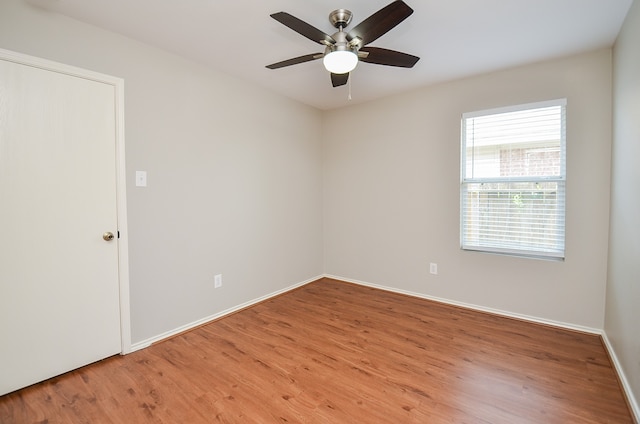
column 121, row 192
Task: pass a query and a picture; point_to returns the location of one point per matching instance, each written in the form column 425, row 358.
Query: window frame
column 467, row 245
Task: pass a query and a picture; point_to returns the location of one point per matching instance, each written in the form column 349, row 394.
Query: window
column 513, row 170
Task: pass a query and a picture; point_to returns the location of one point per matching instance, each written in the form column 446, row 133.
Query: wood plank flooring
column 333, row 352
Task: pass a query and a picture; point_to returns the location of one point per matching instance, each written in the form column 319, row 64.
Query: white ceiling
column 453, row 38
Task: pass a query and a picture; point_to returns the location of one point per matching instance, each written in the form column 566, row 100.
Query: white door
column 59, row 290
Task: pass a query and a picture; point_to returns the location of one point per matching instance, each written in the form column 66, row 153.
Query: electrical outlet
column 217, row 281
column 433, row 268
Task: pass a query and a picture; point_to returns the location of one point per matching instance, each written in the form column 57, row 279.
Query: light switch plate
column 141, row 178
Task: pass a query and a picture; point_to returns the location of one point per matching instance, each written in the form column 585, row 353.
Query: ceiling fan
column 344, row 50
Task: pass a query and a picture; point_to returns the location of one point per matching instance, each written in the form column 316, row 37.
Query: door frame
column 121, row 188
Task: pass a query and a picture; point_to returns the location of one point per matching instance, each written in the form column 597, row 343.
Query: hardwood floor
column 333, row 352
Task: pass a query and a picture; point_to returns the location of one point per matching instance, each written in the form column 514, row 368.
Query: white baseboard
column 507, row 314
column 633, row 404
column 148, row 342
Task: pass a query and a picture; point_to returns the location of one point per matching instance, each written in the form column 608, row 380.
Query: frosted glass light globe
column 340, row 61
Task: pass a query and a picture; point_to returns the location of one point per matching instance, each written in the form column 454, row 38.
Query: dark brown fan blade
column 380, row 22
column 339, row 79
column 303, row 28
column 388, row 57
column 295, row 60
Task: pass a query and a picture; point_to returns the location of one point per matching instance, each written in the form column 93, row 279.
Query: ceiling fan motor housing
column 341, row 44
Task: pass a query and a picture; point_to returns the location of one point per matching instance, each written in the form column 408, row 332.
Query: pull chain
column 349, row 98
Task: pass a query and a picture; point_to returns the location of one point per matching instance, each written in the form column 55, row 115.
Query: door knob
column 108, row 236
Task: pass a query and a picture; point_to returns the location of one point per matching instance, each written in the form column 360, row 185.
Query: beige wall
column 234, row 173
column 622, row 320
column 391, row 193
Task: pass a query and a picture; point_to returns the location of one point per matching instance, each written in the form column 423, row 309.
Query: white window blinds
column 513, row 163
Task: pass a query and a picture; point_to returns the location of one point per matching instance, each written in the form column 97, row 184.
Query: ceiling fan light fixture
column 340, row 61
column 342, row 50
